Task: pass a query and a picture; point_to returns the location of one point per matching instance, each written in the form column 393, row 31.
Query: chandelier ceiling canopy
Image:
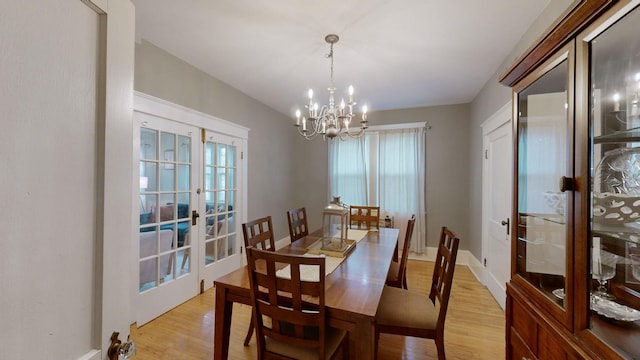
column 330, row 120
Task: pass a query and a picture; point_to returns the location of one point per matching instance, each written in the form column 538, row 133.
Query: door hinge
column 241, row 155
column 485, row 262
column 204, row 135
column 486, row 154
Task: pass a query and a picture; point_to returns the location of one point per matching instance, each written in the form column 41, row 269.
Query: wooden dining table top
column 356, row 284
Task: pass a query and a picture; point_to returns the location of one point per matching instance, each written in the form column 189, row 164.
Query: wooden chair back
column 259, row 233
column 292, row 320
column 364, row 217
column 443, row 269
column 401, row 278
column 297, row 219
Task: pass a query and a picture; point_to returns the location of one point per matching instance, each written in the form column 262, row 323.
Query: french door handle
column 194, row 217
column 506, row 223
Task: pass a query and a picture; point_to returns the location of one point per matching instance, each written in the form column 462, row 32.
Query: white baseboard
column 477, row 269
column 464, row 258
column 91, row 355
column 283, row 242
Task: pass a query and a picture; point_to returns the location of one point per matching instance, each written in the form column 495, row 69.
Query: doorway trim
column 498, row 119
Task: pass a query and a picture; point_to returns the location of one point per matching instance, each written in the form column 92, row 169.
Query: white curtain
column 401, row 170
column 385, row 168
column 348, row 170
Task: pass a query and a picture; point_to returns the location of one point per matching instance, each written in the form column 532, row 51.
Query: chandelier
column 330, row 120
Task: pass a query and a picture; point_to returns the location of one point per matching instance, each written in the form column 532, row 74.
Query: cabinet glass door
column 614, row 241
column 543, row 128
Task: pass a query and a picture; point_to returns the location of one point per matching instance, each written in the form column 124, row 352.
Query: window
column 383, row 168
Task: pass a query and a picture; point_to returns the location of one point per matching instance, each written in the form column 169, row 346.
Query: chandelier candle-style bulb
column 330, row 120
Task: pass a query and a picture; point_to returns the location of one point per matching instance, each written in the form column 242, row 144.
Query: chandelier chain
column 330, row 56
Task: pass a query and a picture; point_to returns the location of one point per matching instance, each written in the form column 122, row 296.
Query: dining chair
column 297, row 219
column 409, row 313
column 257, row 233
column 397, row 275
column 289, row 312
column 364, row 217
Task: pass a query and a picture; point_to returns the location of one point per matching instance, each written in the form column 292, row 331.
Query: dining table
column 352, row 290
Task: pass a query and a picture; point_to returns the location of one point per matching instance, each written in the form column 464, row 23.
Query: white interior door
column 67, row 76
column 169, row 168
column 497, row 194
column 223, row 179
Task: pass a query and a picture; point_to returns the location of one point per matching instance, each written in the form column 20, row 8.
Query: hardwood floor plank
column 474, row 328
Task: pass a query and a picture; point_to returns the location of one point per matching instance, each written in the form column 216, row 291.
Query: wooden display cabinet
column 574, row 291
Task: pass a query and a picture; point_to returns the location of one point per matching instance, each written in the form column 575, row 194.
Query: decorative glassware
column 603, row 269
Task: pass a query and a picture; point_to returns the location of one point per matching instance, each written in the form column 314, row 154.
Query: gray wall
column 490, row 99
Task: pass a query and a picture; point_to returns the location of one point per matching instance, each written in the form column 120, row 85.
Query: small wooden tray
column 318, row 249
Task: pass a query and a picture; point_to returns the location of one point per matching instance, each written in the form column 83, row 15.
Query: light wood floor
column 474, row 328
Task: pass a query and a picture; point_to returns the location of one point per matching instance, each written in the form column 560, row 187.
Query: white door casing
column 496, row 199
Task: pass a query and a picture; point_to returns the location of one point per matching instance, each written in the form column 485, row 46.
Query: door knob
column 506, row 223
column 566, row 183
column 119, row 350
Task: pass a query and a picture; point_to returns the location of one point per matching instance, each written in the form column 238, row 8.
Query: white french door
column 169, row 168
column 192, row 202
column 223, row 178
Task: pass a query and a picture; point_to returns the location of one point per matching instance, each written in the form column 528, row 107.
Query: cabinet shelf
column 618, row 137
column 628, row 232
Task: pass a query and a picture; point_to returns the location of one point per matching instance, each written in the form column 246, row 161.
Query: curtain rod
column 400, row 126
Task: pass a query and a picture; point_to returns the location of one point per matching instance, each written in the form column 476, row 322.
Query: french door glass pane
column 184, row 153
column 219, row 176
column 165, row 207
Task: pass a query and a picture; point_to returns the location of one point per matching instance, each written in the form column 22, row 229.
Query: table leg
column 223, row 311
column 365, row 339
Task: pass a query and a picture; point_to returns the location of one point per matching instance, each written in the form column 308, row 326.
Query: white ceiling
column 396, row 53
